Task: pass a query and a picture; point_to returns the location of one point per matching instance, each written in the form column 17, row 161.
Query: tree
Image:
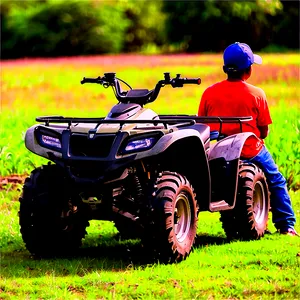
column 210, row 25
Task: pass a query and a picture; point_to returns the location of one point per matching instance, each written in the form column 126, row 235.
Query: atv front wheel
column 49, row 223
column 248, row 220
column 174, row 223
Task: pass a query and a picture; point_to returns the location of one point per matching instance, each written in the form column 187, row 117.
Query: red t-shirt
column 237, row 99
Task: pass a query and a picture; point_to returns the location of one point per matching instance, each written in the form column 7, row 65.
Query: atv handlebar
column 139, row 96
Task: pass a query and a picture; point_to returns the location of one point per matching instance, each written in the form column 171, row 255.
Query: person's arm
column 264, row 117
column 264, row 131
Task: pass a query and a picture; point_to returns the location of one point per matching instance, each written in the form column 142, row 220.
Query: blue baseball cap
column 239, row 56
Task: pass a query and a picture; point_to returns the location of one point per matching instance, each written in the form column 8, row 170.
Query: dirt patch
column 11, row 181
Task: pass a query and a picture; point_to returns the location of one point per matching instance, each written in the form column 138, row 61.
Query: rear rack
column 212, row 119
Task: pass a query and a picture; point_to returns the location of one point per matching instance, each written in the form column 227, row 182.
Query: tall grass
column 283, row 141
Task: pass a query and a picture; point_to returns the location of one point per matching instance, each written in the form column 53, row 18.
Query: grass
column 107, row 267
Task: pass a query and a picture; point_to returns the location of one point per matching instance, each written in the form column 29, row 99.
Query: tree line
column 49, row 28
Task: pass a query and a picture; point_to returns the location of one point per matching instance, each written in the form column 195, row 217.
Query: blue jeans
column 283, row 215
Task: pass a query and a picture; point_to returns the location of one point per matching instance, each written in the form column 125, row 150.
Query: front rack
column 99, row 121
column 182, row 120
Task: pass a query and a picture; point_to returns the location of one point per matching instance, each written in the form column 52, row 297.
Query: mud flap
column 223, row 182
column 224, row 159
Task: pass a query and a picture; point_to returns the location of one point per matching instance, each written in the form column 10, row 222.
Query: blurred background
column 52, row 28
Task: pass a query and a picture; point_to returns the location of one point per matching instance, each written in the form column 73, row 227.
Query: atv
column 150, row 174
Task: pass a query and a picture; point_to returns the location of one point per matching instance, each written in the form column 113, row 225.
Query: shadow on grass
column 132, row 251
column 109, row 253
column 206, row 240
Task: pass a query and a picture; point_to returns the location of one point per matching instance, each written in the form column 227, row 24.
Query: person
column 235, row 97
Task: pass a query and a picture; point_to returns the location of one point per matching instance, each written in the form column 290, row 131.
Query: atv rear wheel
column 50, row 225
column 248, row 220
column 174, row 223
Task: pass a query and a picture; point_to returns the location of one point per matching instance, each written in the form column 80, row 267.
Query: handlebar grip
column 179, row 82
column 91, row 80
column 192, row 80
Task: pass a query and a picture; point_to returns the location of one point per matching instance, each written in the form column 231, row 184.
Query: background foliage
column 56, row 27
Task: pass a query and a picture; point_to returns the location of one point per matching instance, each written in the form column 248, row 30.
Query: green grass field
column 107, row 267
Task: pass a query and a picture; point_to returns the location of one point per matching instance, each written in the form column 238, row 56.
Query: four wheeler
column 150, row 174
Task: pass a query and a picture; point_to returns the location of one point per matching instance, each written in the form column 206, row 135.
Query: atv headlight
column 51, row 141
column 48, row 138
column 140, row 143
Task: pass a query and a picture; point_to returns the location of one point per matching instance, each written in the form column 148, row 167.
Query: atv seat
column 215, row 135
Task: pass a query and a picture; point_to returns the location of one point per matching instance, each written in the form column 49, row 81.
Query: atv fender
column 32, row 144
column 223, row 160
column 183, row 151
